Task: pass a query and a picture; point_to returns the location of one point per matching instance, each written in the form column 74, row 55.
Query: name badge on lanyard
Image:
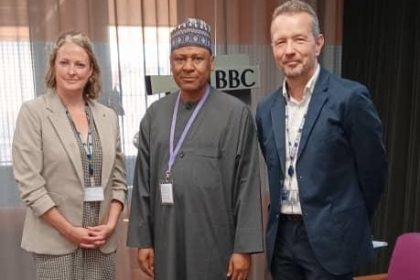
column 95, row 193
column 166, row 186
column 167, row 190
column 167, row 194
column 285, row 196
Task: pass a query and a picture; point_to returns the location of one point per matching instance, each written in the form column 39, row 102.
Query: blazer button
column 181, row 154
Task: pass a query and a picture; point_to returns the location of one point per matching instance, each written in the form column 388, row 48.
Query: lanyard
column 89, row 151
column 174, row 152
column 88, row 146
column 293, row 148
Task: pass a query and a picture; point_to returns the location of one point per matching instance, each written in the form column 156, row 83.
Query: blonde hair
column 92, row 87
column 297, row 6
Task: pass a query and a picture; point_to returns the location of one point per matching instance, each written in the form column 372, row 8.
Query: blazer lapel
column 318, row 99
column 64, row 131
column 103, row 125
column 277, row 119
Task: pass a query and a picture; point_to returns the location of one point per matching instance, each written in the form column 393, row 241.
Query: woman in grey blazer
column 68, row 164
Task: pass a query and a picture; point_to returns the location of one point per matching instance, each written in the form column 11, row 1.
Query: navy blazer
column 340, row 168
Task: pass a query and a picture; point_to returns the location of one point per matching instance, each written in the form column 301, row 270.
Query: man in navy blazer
column 321, row 138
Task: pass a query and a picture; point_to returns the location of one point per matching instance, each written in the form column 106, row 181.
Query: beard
column 294, row 72
column 300, row 70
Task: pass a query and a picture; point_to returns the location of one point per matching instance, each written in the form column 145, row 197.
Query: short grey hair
column 297, row 6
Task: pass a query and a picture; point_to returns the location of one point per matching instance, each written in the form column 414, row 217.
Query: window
column 16, row 83
column 137, row 52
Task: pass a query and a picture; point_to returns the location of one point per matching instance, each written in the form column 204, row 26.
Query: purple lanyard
column 173, row 153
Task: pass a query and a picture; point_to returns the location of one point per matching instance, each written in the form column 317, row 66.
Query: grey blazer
column 48, row 169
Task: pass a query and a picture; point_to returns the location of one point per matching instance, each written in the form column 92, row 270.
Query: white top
column 296, row 111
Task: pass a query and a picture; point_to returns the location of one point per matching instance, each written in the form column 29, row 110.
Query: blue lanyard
column 293, row 148
column 174, row 152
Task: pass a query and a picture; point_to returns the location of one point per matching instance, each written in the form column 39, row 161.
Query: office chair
column 405, row 260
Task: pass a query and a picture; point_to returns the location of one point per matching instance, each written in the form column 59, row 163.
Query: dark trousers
column 293, row 256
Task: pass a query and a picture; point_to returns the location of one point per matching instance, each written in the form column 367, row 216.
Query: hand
column 239, row 265
column 81, row 237
column 146, row 260
column 100, row 234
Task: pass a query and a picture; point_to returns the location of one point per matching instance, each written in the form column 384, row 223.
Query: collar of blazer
column 318, row 100
column 106, row 127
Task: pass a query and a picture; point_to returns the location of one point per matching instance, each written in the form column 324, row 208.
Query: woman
column 69, row 167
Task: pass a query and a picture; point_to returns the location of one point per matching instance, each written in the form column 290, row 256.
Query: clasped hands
column 90, row 237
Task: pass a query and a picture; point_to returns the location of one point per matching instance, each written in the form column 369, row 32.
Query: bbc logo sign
column 236, row 78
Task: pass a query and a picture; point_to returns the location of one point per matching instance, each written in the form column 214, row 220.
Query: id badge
column 167, row 193
column 285, row 196
column 167, row 189
column 95, row 193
